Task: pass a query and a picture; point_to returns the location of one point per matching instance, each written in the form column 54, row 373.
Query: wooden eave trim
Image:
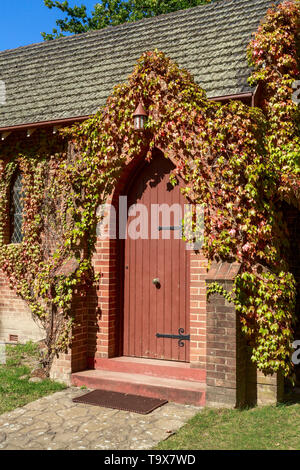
column 62, row 122
column 238, row 96
column 58, row 122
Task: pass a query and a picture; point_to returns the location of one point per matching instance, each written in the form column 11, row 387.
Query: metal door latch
column 181, row 337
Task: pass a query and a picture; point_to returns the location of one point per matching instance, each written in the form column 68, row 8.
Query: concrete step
column 151, row 367
column 178, row 391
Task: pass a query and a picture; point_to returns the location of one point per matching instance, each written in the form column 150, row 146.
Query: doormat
column 121, row 401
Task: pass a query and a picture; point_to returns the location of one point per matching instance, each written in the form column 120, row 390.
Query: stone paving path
column 56, row 423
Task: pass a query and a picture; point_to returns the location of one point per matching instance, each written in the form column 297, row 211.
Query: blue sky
column 22, row 21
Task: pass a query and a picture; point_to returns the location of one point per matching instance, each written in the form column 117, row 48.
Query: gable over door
column 161, row 308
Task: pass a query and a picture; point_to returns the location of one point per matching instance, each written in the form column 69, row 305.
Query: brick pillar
column 75, row 359
column 226, row 347
column 292, row 218
column 198, row 270
column 105, row 261
column 251, row 379
column 261, row 389
column 270, row 388
column 61, row 369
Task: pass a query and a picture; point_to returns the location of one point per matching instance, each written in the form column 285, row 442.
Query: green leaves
column 266, row 304
column 111, row 13
column 216, row 288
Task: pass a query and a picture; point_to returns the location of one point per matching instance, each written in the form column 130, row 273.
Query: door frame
column 135, row 172
column 121, row 260
column 111, row 289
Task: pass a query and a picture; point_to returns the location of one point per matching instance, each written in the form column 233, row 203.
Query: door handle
column 156, row 282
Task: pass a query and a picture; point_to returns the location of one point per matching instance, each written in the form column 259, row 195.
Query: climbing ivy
column 239, row 162
column 41, row 268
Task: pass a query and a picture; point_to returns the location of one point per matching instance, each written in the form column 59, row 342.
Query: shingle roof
column 73, row 76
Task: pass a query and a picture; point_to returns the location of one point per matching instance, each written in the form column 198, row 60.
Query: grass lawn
column 15, row 392
column 269, row 427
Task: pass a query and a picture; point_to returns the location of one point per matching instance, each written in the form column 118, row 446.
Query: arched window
column 16, row 209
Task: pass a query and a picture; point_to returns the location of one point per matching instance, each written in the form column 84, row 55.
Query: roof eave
column 62, row 122
column 238, row 96
column 56, row 122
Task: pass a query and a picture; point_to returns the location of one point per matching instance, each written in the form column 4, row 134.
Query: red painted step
column 178, row 391
column 152, row 367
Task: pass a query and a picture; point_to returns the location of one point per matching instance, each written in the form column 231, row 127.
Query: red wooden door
column 151, row 309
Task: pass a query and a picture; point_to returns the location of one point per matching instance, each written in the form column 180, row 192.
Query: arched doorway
column 156, row 267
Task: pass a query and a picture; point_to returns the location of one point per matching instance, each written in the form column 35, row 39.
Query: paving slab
column 56, row 423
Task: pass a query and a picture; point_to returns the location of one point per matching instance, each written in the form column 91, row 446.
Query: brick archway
column 107, row 261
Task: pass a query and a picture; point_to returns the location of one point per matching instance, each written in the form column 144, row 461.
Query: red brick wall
column 15, row 316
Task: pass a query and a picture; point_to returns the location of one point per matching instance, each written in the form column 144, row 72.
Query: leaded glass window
column 16, row 210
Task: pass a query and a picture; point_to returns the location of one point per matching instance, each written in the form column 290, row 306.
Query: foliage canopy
column 111, row 13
